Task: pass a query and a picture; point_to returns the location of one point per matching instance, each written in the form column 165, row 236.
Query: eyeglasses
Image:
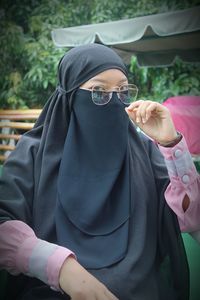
column 126, row 94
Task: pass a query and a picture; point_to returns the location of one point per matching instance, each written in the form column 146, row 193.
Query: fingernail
column 143, row 120
column 137, row 120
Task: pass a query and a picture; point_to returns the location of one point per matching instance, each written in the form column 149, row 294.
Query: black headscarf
column 145, row 259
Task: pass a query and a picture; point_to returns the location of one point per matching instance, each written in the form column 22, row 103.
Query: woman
column 83, row 206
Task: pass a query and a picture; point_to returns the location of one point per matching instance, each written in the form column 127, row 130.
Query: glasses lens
column 128, row 93
column 100, row 97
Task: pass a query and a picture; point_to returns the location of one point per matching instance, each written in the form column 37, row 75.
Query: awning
column 156, row 40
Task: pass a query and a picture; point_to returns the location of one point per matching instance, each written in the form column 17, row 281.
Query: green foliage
column 11, row 63
column 40, row 76
column 28, row 65
column 115, row 10
column 161, row 83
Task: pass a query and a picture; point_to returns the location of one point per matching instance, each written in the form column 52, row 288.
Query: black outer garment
column 155, row 265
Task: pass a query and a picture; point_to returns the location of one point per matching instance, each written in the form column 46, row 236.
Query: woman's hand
column 79, row 284
column 154, row 119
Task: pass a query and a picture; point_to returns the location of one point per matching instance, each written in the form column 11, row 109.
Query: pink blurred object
column 185, row 111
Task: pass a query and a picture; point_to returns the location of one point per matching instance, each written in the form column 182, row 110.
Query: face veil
column 85, row 179
column 93, row 206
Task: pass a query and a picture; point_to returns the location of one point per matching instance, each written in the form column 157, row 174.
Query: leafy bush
column 161, row 83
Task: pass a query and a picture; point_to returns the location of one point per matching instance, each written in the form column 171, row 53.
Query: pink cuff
column 171, row 152
column 22, row 252
column 184, row 180
column 179, row 163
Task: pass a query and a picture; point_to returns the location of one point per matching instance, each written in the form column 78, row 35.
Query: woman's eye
column 123, row 88
column 99, row 88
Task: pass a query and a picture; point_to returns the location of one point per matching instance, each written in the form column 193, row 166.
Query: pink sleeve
column 184, row 179
column 22, row 252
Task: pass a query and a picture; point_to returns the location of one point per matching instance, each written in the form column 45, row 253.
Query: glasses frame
column 110, row 93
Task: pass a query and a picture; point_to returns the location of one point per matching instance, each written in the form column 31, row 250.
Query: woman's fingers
column 135, row 104
column 140, row 111
column 141, row 114
column 148, row 112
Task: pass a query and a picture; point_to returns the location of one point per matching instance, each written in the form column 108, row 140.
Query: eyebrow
column 105, row 81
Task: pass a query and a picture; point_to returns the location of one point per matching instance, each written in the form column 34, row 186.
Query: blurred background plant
column 28, row 65
column 160, row 83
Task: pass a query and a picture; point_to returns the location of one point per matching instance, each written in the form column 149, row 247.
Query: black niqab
column 94, row 182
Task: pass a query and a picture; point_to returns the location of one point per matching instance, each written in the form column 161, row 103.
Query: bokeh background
column 29, row 59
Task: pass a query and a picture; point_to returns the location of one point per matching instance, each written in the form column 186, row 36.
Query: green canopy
column 156, row 40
